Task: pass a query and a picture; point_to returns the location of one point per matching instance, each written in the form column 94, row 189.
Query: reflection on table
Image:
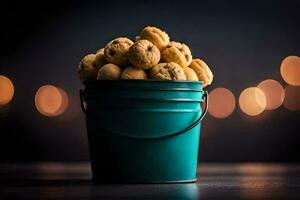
column 215, row 181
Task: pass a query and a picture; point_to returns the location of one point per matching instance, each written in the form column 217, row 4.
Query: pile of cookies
column 151, row 56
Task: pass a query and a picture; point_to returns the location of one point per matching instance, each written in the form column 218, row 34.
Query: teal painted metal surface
column 137, row 130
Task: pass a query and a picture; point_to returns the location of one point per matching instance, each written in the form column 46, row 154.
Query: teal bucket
column 143, row 131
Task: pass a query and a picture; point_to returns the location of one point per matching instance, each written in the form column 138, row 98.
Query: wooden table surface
column 215, row 181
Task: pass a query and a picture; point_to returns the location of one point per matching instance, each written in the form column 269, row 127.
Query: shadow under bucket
column 143, row 131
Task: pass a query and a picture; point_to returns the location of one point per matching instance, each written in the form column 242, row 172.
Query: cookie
column 109, row 72
column 156, row 36
column 143, row 54
column 167, row 71
column 190, row 74
column 100, row 51
column 116, row 51
column 133, row 73
column 178, row 53
column 100, row 59
column 202, row 70
column 87, row 70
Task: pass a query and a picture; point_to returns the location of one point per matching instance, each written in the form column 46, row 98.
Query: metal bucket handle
column 205, row 95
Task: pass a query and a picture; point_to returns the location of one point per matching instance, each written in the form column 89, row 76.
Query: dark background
column 244, row 42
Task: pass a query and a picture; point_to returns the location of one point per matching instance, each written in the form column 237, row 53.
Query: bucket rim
column 147, row 99
column 174, row 89
column 142, row 80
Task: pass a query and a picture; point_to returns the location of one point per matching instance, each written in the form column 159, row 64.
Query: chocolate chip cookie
column 109, row 72
column 143, row 54
column 202, row 70
column 156, row 36
column 100, row 59
column 167, row 71
column 116, row 51
column 133, row 73
column 87, row 70
column 178, row 53
column 190, row 74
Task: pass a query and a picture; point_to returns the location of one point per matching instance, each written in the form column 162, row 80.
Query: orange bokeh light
column 6, row 90
column 51, row 101
column 290, row 70
column 252, row 101
column 221, row 103
column 274, row 93
column 292, row 98
column 64, row 103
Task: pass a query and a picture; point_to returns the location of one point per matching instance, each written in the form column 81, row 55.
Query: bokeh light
column 221, row 103
column 64, row 103
column 6, row 90
column 252, row 101
column 274, row 93
column 292, row 98
column 290, row 70
column 51, row 101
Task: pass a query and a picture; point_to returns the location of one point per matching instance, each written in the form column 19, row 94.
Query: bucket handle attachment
column 205, row 97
